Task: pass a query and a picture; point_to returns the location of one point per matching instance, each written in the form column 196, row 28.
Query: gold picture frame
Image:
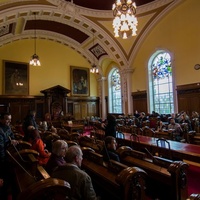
column 15, row 78
column 80, row 81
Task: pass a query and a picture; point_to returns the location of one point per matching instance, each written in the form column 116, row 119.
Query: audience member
column 39, row 146
column 173, row 116
column 6, row 138
column 136, row 114
column 109, row 151
column 110, row 126
column 195, row 119
column 48, row 120
column 59, row 149
column 142, row 118
column 6, row 135
column 160, row 126
column 175, row 130
column 29, row 124
column 80, row 181
column 185, row 123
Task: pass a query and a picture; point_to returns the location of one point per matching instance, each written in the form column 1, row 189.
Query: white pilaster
column 101, row 90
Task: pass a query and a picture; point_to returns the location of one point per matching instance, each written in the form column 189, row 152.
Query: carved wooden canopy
column 56, row 90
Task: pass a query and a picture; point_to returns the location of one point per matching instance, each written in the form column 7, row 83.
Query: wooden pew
column 32, row 182
column 93, row 143
column 114, row 180
column 178, row 150
column 163, row 174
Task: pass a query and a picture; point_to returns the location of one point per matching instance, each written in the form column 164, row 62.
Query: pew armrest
column 163, row 162
column 95, row 157
column 115, row 166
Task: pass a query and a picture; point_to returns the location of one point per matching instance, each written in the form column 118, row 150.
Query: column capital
column 101, row 79
column 127, row 71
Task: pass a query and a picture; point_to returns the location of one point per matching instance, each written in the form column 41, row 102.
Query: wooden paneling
column 77, row 110
column 189, row 97
column 92, row 109
column 83, row 107
column 140, row 101
column 18, row 106
column 4, row 107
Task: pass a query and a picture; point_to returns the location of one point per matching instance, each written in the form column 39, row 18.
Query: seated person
column 109, row 151
column 175, row 130
column 160, row 126
column 80, row 181
column 109, row 126
column 185, row 123
column 39, row 146
column 59, row 149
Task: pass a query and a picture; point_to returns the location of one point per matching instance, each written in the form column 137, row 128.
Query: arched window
column 161, row 93
column 115, row 99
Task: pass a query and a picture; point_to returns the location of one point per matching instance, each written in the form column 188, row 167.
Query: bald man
column 80, row 181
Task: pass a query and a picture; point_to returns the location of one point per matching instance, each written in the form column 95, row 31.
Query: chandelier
column 125, row 23
column 35, row 58
column 94, row 68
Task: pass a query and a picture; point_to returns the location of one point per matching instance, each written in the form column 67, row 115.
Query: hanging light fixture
column 35, row 58
column 125, row 23
column 94, row 68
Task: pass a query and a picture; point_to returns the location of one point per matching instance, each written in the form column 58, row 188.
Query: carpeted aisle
column 193, row 179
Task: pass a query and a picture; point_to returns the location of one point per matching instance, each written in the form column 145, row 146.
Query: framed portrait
column 80, row 81
column 15, row 78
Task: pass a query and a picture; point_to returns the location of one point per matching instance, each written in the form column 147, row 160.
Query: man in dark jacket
column 109, row 151
column 80, row 181
column 6, row 138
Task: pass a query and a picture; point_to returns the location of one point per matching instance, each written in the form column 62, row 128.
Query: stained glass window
column 162, row 84
column 115, row 92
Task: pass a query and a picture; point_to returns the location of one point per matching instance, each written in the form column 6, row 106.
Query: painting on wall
column 80, row 81
column 15, row 78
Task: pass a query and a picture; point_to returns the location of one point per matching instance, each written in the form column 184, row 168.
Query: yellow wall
column 179, row 33
column 55, row 64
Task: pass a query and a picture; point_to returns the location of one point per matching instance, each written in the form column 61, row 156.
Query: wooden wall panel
column 18, row 106
column 140, row 101
column 92, row 109
column 189, row 98
column 77, row 111
column 84, row 110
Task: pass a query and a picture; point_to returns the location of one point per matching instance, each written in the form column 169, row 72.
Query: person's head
column 47, row 117
column 160, row 123
column 31, row 113
column 173, row 115
column 172, row 121
column 59, row 148
column 74, row 155
column 111, row 118
column 5, row 118
column 110, row 143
